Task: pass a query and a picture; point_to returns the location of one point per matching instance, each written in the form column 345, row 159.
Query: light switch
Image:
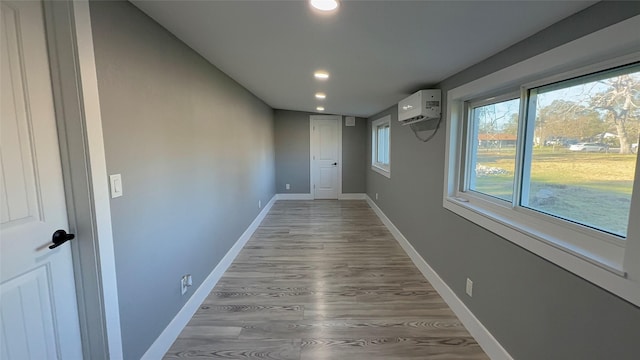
column 116, row 185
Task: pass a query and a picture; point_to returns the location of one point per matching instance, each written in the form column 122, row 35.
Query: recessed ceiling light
column 321, row 75
column 320, row 108
column 321, row 96
column 324, row 5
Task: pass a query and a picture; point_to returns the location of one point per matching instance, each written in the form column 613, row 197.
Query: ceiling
column 377, row 52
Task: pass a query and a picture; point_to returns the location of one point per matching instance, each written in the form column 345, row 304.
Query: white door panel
column 26, row 306
column 327, row 136
column 38, row 311
column 326, row 178
column 325, row 157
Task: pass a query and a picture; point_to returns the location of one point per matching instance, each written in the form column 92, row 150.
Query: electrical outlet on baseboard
column 469, row 287
column 259, row 204
column 376, row 196
column 287, row 186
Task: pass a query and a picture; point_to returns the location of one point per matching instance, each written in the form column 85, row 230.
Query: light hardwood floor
column 324, row 280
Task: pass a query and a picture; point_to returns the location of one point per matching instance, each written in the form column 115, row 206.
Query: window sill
column 381, row 171
column 605, row 273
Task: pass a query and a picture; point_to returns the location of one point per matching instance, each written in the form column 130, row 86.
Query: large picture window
column 544, row 154
column 578, row 164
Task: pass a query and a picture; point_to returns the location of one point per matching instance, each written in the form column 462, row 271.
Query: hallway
column 324, row 279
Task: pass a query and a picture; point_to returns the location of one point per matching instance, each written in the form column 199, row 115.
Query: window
column 579, row 165
column 380, row 142
column 543, row 154
column 494, row 128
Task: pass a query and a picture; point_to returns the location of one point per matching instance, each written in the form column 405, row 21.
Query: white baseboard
column 162, row 344
column 294, row 197
column 310, row 196
column 489, row 344
column 352, row 197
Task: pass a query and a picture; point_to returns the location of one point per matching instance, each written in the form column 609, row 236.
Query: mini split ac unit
column 421, row 106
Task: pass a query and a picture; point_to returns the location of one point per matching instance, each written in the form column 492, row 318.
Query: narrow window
column 381, row 146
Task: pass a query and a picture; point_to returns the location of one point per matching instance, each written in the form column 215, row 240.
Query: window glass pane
column 386, row 145
column 380, row 146
column 383, row 144
column 585, row 133
column 494, row 129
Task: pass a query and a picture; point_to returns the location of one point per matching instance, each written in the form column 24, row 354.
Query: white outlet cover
column 469, row 288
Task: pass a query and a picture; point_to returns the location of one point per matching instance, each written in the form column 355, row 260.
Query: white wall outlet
column 469, row 288
column 259, row 204
column 376, row 196
column 287, row 186
column 189, row 280
column 116, row 185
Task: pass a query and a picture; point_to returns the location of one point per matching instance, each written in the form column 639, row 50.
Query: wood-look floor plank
column 283, row 297
column 324, row 280
column 441, row 348
column 343, row 329
column 250, row 312
column 192, row 348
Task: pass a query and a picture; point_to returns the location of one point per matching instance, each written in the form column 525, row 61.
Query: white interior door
column 38, row 309
column 325, row 156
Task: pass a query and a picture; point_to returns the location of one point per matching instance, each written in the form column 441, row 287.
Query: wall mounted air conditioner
column 421, row 106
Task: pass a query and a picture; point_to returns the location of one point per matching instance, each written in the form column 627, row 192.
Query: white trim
column 606, row 264
column 75, row 85
column 294, row 196
column 485, row 339
column 311, row 149
column 353, row 196
column 99, row 185
column 159, row 348
column 381, row 171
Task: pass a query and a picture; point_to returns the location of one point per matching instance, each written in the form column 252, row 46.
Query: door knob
column 60, row 237
column 335, row 163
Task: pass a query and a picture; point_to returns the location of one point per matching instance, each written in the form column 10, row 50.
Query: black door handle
column 60, row 237
column 335, row 163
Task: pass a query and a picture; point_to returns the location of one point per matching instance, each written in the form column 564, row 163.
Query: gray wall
column 535, row 309
column 354, row 157
column 195, row 151
column 291, row 130
column 292, row 153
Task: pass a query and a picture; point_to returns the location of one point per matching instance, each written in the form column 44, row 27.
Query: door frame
column 312, row 144
column 77, row 107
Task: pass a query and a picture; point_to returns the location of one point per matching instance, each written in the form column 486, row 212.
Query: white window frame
column 602, row 259
column 380, row 168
